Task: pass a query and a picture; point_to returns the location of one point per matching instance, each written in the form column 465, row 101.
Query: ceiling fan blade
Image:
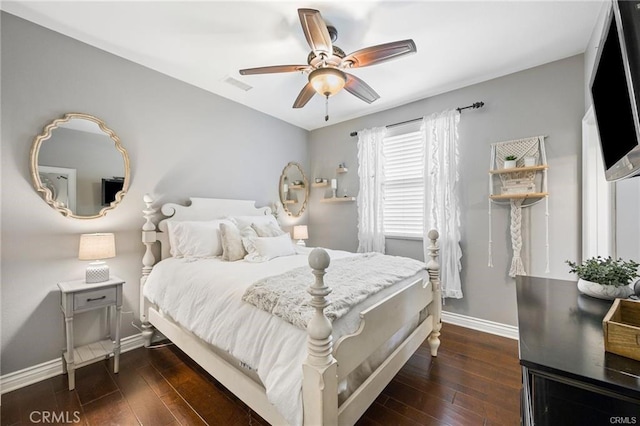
column 305, row 95
column 273, row 69
column 380, row 53
column 360, row 89
column 316, row 32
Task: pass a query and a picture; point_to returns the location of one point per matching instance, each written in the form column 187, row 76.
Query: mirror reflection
column 293, row 189
column 79, row 166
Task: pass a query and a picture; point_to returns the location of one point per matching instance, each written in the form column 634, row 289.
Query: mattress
column 204, row 297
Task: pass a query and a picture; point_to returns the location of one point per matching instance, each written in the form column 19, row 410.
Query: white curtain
column 442, row 205
column 371, row 197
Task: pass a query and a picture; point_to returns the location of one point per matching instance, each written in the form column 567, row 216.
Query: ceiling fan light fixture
column 327, row 81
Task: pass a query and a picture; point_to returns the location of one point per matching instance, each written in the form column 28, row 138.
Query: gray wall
column 182, row 141
column 546, row 100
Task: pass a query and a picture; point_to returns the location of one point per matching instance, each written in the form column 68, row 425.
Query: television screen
column 110, row 188
column 614, row 84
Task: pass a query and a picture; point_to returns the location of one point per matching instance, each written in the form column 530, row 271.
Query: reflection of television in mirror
column 615, row 90
column 110, row 188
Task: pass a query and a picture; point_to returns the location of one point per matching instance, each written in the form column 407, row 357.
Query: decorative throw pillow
column 232, row 248
column 236, row 242
column 268, row 229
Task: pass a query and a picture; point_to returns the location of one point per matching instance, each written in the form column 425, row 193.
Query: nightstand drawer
column 94, row 299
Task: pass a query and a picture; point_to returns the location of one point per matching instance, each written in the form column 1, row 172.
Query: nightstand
column 78, row 296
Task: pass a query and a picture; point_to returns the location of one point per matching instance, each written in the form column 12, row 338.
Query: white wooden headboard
column 198, row 209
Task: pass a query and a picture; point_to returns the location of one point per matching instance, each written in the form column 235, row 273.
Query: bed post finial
column 320, row 370
column 148, row 260
column 433, row 268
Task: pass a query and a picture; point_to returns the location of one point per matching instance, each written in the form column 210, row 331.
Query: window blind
column 404, row 185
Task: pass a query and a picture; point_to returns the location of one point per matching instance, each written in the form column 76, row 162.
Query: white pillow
column 267, row 248
column 244, row 221
column 195, row 238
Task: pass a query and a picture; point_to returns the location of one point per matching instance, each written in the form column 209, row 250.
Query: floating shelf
column 342, row 170
column 519, row 169
column 338, row 200
column 296, row 186
column 519, row 196
column 320, row 184
column 290, row 202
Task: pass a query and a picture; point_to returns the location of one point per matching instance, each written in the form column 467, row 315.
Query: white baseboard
column 504, row 330
column 37, row 373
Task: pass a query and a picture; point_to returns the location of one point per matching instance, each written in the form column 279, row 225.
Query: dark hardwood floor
column 475, row 380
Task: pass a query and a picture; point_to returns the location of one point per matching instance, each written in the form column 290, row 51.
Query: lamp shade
column 97, row 246
column 327, row 81
column 300, row 232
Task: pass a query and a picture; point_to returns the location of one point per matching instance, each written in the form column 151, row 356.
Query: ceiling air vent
column 237, row 83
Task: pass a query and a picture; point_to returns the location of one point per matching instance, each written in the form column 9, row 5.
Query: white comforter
column 205, row 297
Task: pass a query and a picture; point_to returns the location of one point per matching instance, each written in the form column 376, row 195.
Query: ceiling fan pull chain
column 326, row 108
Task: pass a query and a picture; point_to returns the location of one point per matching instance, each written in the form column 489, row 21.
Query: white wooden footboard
column 326, row 367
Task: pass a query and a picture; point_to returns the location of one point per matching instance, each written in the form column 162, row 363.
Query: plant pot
column 509, row 164
column 529, row 161
column 607, row 292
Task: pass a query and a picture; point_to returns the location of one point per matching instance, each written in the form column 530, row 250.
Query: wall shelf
column 290, row 202
column 519, row 196
column 338, row 200
column 341, row 170
column 296, row 186
column 518, row 169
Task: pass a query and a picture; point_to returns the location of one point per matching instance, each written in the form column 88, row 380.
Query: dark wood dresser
column 568, row 378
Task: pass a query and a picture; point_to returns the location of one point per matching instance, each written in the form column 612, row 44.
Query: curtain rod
column 474, row 105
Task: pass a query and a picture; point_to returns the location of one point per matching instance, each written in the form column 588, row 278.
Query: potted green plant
column 605, row 278
column 510, row 161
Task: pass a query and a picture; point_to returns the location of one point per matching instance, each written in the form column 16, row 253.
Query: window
column 404, row 185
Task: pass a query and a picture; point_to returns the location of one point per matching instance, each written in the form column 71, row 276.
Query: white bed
column 234, row 340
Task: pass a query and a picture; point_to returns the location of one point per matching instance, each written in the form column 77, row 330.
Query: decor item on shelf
column 520, row 187
column 334, row 186
column 529, row 161
column 97, row 247
column 510, row 161
column 605, row 278
column 300, row 233
column 319, row 180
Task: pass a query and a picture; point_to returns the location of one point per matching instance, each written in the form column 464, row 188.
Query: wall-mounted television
column 110, row 188
column 615, row 85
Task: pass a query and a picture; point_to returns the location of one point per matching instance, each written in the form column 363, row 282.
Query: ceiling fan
column 326, row 62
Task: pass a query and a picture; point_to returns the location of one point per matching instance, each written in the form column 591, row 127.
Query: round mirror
column 294, row 189
column 79, row 166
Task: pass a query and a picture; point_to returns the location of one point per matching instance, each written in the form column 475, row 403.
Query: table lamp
column 300, row 233
column 97, row 247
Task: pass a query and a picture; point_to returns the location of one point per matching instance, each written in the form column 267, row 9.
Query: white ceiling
column 203, row 43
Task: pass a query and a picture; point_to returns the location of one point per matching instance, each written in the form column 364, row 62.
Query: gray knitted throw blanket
column 351, row 279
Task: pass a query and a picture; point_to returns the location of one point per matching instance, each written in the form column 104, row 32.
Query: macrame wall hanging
column 521, row 168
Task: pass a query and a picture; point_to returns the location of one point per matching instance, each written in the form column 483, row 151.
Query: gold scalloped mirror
column 79, row 166
column 294, row 189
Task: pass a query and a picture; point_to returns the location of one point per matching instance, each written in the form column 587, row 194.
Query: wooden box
column 621, row 328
